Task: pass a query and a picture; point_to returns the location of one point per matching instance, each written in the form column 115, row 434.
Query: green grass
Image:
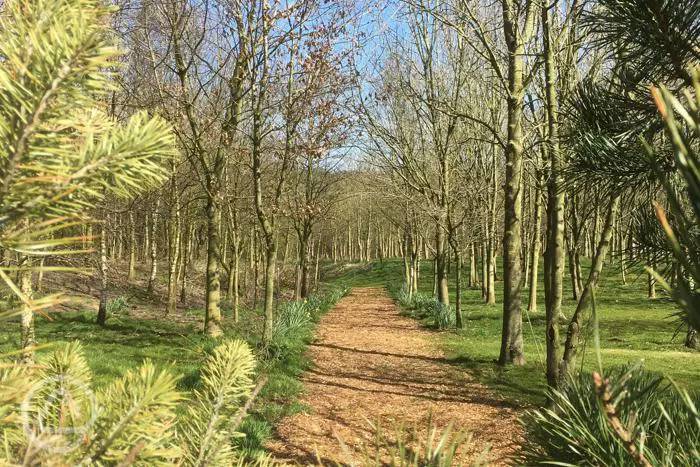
column 126, row 342
column 632, row 328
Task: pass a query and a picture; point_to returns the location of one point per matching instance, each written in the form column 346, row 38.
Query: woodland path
column 370, row 363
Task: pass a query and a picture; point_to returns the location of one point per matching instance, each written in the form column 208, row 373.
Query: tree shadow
column 379, row 353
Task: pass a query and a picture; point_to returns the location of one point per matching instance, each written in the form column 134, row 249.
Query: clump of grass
column 118, row 306
column 425, row 306
column 290, row 329
column 294, row 322
column 405, row 299
column 661, row 421
column 413, row 447
column 196, row 311
column 443, row 316
column 256, row 432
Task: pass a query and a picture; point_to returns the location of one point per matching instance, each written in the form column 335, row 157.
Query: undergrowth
column 431, row 447
column 424, row 306
column 662, row 422
column 126, row 342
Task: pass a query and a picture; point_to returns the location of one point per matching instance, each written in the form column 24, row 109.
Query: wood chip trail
column 372, row 364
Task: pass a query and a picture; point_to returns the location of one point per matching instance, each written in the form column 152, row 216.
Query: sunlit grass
column 126, row 342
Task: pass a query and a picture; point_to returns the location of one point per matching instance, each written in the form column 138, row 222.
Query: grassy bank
column 177, row 343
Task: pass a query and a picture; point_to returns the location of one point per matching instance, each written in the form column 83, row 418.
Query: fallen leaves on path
column 372, row 366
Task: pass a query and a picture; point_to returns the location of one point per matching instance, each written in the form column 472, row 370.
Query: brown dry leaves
column 373, row 365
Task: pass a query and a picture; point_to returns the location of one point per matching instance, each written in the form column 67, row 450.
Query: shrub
column 412, row 448
column 422, row 305
column 117, row 306
column 662, row 422
column 443, row 315
column 52, row 416
column 405, row 299
column 294, row 321
column 321, row 302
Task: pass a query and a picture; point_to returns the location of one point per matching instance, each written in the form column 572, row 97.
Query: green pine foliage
column 682, row 187
column 619, row 143
column 227, row 380
column 653, row 37
column 576, row 429
column 644, row 43
column 138, row 413
column 60, row 153
column 61, row 150
column 52, row 415
column 65, row 371
column 630, row 417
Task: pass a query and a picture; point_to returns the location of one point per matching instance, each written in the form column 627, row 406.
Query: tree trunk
column 407, row 263
column 360, row 243
column 441, row 266
column 256, row 277
column 491, row 270
column 573, row 270
column 458, row 288
column 235, row 287
column 554, row 254
column 132, row 247
column 623, row 259
column 304, row 262
column 270, row 258
column 368, row 257
column 349, row 245
column 535, row 253
column 285, row 255
column 318, row 255
column 212, row 317
column 27, row 336
column 174, row 250
column 692, row 339
column 651, row 283
column 154, row 249
column 484, row 271
column 119, row 237
column 102, row 310
column 185, row 262
column 472, row 265
column 146, row 237
column 512, row 331
column 574, row 329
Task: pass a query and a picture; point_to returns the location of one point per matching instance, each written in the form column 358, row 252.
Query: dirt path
column 372, row 364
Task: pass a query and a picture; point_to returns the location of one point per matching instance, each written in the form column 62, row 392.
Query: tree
column 321, row 126
column 611, row 116
column 416, row 130
column 518, row 21
column 60, row 151
column 203, row 99
column 519, row 24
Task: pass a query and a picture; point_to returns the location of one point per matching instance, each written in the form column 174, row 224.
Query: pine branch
column 602, row 388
